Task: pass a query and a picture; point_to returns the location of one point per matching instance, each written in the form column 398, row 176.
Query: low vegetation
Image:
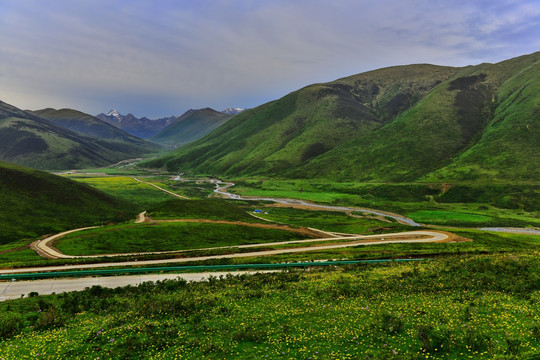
column 479, row 307
column 212, row 209
column 35, row 203
column 125, row 188
column 128, row 238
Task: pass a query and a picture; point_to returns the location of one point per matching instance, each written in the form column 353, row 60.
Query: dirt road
column 421, row 236
column 162, row 189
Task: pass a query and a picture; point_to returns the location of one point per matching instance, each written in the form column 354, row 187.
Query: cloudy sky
column 157, row 58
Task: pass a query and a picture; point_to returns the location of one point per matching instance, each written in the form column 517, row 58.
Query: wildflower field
column 457, row 307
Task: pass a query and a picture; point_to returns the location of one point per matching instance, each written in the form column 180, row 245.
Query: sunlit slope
column 457, row 119
column 29, row 140
column 191, row 126
column 281, row 135
column 407, row 123
column 509, row 148
column 36, row 203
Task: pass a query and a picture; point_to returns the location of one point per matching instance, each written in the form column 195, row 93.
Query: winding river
column 221, row 188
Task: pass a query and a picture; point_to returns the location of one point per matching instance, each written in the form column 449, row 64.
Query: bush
column 10, row 324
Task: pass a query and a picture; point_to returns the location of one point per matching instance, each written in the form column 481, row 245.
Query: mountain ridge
column 30, row 140
column 399, row 123
column 192, row 125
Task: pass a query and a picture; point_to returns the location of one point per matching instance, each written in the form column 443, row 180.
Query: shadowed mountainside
column 36, row 203
column 30, row 140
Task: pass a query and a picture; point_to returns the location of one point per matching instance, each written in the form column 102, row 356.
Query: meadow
column 125, row 188
column 464, row 205
column 127, row 238
column 467, row 307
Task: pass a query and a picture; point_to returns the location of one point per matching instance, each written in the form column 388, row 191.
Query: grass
column 331, row 221
column 212, row 209
column 448, row 217
column 481, row 307
column 128, row 238
column 126, row 188
column 456, row 205
column 35, row 203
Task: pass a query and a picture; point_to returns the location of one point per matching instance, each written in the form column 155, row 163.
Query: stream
column 221, row 188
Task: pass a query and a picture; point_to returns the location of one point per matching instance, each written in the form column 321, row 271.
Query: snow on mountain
column 114, row 113
column 232, row 111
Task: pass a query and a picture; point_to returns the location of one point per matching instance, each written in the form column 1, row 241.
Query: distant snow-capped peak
column 232, row 111
column 115, row 114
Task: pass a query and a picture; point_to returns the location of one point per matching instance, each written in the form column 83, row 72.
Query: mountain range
column 140, row 127
column 192, row 125
column 67, row 140
column 146, row 128
column 405, row 123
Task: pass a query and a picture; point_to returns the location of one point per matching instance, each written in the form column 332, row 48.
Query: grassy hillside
column 191, row 126
column 307, row 123
column 36, row 203
column 454, row 119
column 409, row 123
column 29, row 140
column 509, row 148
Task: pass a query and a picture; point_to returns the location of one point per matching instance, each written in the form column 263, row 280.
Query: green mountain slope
column 509, row 148
column 29, row 140
column 36, row 203
column 451, row 120
column 191, row 126
column 291, row 131
column 407, row 123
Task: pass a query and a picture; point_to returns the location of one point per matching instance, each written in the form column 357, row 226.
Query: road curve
column 42, row 246
column 421, row 236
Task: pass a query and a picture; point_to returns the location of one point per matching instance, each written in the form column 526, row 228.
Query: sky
column 159, row 58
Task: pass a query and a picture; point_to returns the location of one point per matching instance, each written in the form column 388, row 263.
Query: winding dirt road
column 322, row 240
column 421, row 236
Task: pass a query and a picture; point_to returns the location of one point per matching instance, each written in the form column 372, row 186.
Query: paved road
column 14, row 290
column 404, row 237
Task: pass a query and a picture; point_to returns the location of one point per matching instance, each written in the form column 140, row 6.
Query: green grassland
column 35, row 203
column 332, row 221
column 462, row 204
column 212, row 209
column 126, row 188
column 454, row 308
column 126, row 238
